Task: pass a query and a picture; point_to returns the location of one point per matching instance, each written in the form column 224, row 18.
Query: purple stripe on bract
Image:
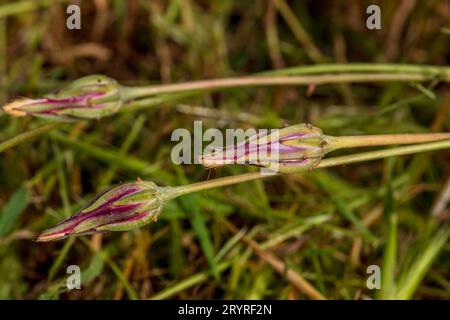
column 110, row 210
column 82, row 98
column 84, row 215
column 78, row 219
column 247, row 148
column 128, row 219
column 127, row 191
column 286, row 149
column 78, row 102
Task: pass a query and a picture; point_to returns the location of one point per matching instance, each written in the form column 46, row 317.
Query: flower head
column 88, row 97
column 125, row 207
column 284, row 150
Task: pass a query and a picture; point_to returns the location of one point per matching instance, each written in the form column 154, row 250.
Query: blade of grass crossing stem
column 390, row 252
column 13, row 210
column 425, row 91
column 422, row 263
column 190, row 204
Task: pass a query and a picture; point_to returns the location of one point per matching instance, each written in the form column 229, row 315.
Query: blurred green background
column 306, row 221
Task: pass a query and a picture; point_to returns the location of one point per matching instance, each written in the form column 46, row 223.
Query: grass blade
column 12, row 211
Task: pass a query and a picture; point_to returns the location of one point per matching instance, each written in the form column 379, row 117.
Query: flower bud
column 89, row 97
column 285, row 150
column 125, row 207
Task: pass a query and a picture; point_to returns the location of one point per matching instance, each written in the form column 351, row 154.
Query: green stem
column 216, row 183
column 331, row 162
column 152, row 101
column 131, row 93
column 380, row 154
column 382, row 140
column 27, row 136
column 429, row 70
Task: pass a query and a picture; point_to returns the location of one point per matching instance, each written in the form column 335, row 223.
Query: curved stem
column 214, row 84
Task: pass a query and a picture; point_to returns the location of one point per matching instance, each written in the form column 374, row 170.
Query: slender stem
column 319, row 74
column 383, row 139
column 27, row 136
column 432, row 71
column 220, row 182
column 214, row 84
column 380, row 154
column 134, row 105
column 325, row 163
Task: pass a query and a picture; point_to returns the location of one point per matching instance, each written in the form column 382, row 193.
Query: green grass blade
column 390, row 252
column 190, row 204
column 422, row 263
column 13, row 210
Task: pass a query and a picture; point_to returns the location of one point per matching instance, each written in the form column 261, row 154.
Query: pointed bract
column 89, row 97
column 125, row 207
column 283, row 150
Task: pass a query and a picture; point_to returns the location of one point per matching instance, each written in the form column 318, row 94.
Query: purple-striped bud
column 89, row 97
column 284, row 150
column 125, row 207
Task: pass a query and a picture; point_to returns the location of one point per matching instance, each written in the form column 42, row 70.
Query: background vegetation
column 223, row 243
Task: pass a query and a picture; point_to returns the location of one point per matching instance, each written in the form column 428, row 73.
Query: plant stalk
column 343, row 142
column 131, row 93
column 28, row 135
column 325, row 163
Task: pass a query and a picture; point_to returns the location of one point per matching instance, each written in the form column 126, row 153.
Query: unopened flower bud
column 285, row 150
column 125, row 207
column 89, row 97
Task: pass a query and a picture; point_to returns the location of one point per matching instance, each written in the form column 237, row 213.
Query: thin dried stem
column 294, row 277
